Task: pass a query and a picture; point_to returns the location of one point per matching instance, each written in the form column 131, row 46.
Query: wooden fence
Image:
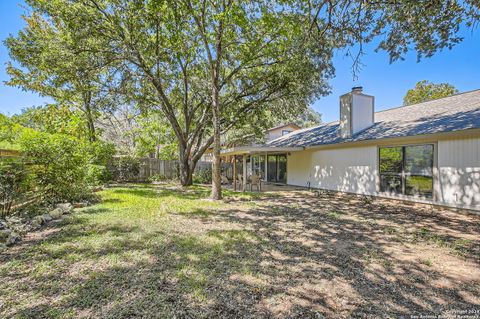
column 8, row 201
column 169, row 169
column 9, row 153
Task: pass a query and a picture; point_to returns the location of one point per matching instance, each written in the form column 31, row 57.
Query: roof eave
column 248, row 150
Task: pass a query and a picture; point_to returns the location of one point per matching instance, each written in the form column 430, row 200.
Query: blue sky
column 388, row 83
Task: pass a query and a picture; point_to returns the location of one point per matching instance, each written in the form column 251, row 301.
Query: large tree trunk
column 89, row 117
column 186, row 167
column 216, row 169
column 186, row 174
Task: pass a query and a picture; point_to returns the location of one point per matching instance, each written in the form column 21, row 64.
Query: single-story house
column 427, row 152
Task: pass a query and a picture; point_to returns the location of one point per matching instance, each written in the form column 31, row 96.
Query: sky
column 387, row 82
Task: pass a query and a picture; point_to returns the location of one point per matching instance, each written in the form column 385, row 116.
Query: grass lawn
column 164, row 252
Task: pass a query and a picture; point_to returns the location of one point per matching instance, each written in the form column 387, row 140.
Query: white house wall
column 348, row 169
column 299, row 168
column 459, row 172
column 355, row 170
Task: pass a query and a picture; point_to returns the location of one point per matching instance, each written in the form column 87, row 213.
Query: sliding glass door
column 277, row 168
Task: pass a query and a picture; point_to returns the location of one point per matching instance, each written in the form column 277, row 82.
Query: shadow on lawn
column 157, row 192
column 300, row 257
column 192, row 192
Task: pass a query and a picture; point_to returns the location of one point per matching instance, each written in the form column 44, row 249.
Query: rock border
column 13, row 228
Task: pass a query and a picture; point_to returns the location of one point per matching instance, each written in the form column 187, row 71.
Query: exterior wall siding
column 299, row 168
column 355, row 170
column 278, row 132
column 351, row 170
column 459, row 172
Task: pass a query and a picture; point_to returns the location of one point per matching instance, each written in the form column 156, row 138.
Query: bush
column 15, row 182
column 58, row 163
column 101, row 155
column 57, row 167
column 125, row 168
column 97, row 174
column 203, row 176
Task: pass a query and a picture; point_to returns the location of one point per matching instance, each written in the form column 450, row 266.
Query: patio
column 247, row 163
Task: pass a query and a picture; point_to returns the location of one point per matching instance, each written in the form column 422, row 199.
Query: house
column 427, row 152
column 269, row 135
column 279, row 131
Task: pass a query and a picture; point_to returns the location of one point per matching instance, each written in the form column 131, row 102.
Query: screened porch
column 246, row 166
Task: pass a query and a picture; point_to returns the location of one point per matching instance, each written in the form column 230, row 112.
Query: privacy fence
column 145, row 169
column 15, row 190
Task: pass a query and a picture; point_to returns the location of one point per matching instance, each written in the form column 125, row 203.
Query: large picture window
column 407, row 170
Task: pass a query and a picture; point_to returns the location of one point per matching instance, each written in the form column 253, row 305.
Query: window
column 407, row 170
column 285, row 132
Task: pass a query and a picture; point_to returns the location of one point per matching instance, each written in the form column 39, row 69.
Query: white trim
column 258, row 150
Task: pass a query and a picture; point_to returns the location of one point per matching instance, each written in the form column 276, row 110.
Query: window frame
column 403, row 175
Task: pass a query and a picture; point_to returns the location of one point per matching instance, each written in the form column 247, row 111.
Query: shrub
column 101, row 155
column 15, row 182
column 58, row 167
column 97, row 174
column 203, row 176
column 58, row 163
column 125, row 168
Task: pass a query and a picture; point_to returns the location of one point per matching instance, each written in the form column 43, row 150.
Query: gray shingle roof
column 453, row 113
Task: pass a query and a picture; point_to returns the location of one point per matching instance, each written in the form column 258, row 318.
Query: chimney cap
column 357, row 89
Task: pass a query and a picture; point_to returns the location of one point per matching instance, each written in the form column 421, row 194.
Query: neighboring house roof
column 454, row 113
column 283, row 125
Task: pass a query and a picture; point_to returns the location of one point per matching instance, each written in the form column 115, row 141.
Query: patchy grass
column 336, row 214
column 459, row 245
column 163, row 252
column 426, row 261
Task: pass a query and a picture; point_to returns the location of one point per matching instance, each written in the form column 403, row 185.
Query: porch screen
column 407, row 170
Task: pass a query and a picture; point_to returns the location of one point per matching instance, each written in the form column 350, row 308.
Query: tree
column 154, row 137
column 212, row 66
column 254, row 131
column 120, row 126
column 53, row 62
column 425, row 27
column 53, row 118
column 425, row 91
column 257, row 54
column 308, row 118
column 207, row 66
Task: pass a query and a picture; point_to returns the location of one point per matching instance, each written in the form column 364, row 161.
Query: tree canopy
column 425, row 91
column 55, row 59
column 208, row 67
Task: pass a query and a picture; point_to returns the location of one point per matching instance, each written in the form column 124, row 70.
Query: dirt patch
column 293, row 255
